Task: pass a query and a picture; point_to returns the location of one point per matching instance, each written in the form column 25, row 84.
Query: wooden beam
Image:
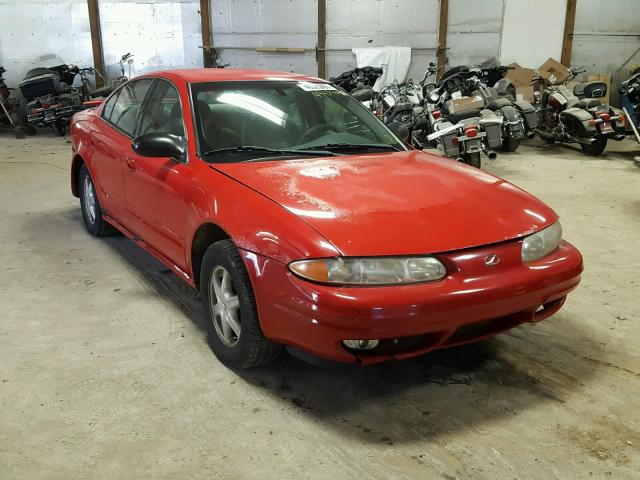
column 208, row 53
column 322, row 39
column 96, row 40
column 567, row 41
column 441, row 52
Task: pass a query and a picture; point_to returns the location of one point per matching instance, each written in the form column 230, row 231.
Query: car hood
column 399, row 203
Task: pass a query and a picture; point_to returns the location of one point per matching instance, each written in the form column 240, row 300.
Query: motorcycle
column 518, row 117
column 630, row 101
column 8, row 111
column 464, row 133
column 48, row 91
column 578, row 115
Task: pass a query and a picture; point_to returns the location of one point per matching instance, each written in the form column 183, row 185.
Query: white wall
column 532, row 31
column 473, row 34
column 266, row 23
column 161, row 34
column 32, row 28
column 368, row 23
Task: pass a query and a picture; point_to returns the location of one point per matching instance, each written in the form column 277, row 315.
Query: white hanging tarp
column 394, row 60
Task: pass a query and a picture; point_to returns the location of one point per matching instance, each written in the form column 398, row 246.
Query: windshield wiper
column 355, row 146
column 276, row 151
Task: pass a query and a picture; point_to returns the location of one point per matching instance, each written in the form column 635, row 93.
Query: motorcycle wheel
column 510, row 144
column 596, row 147
column 58, row 129
column 473, row 159
column 19, row 133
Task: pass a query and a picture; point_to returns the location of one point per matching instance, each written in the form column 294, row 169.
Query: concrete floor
column 105, row 372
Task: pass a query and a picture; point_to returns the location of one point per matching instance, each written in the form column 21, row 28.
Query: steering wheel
column 314, row 131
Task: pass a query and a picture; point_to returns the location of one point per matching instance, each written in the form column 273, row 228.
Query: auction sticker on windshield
column 315, row 87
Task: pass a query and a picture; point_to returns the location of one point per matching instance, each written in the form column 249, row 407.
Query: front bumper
column 473, row 302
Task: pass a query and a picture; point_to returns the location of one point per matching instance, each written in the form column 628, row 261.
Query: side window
column 108, row 107
column 162, row 111
column 125, row 110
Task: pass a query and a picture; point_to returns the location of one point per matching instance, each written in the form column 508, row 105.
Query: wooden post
column 441, row 52
column 96, row 40
column 322, row 37
column 208, row 53
column 567, row 41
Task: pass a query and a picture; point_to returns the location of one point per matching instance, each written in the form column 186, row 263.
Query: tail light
column 436, row 114
column 471, row 132
column 454, row 141
column 34, row 110
column 605, row 116
column 46, row 106
column 59, row 105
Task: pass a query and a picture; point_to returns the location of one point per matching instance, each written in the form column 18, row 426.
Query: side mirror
column 400, row 130
column 159, row 145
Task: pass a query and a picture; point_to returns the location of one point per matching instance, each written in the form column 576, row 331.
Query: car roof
column 196, row 75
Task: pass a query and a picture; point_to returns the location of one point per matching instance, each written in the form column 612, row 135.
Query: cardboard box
column 466, row 103
column 553, row 71
column 525, row 93
column 601, row 77
column 520, row 76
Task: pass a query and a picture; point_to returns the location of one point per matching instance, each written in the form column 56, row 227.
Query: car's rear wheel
column 90, row 206
column 229, row 305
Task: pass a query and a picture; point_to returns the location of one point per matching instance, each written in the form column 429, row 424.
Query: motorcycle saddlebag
column 447, row 141
column 492, row 125
column 528, row 112
column 576, row 122
column 618, row 125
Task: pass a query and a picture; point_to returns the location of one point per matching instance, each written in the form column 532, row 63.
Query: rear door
column 112, row 142
column 154, row 186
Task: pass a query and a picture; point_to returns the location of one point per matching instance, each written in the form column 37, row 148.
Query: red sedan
column 305, row 222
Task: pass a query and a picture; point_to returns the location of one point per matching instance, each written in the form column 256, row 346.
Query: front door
column 154, row 187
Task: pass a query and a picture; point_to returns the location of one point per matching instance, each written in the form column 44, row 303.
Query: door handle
column 131, row 163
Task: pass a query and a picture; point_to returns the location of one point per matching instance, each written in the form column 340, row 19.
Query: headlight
column 542, row 243
column 434, row 97
column 370, row 271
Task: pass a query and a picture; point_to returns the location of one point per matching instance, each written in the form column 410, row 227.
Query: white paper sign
column 315, row 86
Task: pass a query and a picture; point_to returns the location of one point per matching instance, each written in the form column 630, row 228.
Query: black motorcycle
column 518, row 117
column 51, row 101
column 630, row 101
column 578, row 115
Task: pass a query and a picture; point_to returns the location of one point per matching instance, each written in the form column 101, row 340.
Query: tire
column 223, row 274
column 473, row 159
column 58, row 129
column 19, row 133
column 596, row 147
column 549, row 140
column 92, row 217
column 510, row 144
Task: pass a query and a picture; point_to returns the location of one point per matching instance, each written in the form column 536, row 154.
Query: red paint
column 381, row 204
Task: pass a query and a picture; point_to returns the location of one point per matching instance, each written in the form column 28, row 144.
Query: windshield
column 239, row 121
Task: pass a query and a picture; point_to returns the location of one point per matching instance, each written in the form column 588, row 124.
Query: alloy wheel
column 89, row 197
column 224, row 305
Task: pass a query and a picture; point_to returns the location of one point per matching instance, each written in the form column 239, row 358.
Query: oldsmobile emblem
column 491, row 260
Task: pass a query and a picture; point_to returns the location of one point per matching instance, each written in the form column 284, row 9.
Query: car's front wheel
column 230, row 309
column 91, row 211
